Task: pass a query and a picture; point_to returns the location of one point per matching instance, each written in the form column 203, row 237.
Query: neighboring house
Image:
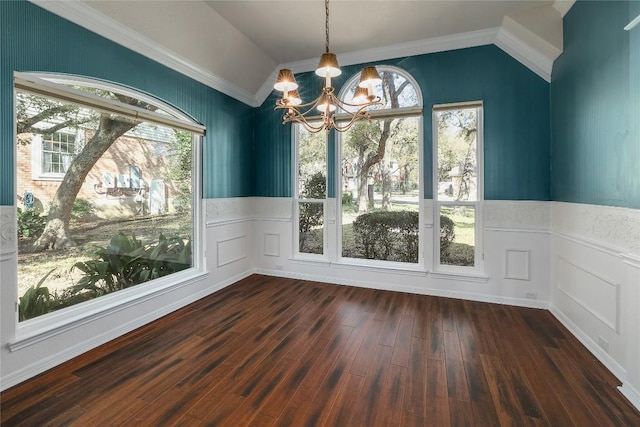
column 118, row 184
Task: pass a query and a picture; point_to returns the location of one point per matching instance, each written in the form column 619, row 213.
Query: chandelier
column 334, row 110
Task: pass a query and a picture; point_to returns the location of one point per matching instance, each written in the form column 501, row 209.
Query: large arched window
column 108, row 188
column 380, row 175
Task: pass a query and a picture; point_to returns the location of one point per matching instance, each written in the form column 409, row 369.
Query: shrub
column 81, row 209
column 127, row 262
column 311, row 214
column 394, row 235
column 347, row 198
column 388, row 235
column 30, row 223
column 447, row 234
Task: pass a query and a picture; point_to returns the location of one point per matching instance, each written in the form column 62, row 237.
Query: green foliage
column 30, row 223
column 81, row 209
column 311, row 214
column 128, row 262
column 36, row 301
column 347, row 198
column 180, row 169
column 388, row 235
column 447, row 234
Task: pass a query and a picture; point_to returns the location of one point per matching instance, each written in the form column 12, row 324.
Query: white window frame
column 324, row 256
column 40, row 328
column 377, row 115
column 478, row 205
column 37, row 157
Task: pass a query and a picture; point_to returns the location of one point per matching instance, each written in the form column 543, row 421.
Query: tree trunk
column 386, row 187
column 56, row 232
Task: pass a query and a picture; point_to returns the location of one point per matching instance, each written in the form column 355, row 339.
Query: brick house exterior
column 118, row 184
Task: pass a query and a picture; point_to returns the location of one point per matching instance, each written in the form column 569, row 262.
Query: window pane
column 312, row 164
column 457, row 160
column 457, row 235
column 380, row 190
column 118, row 236
column 311, row 222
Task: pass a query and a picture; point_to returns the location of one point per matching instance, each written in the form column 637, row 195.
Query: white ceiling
column 290, row 31
column 237, row 46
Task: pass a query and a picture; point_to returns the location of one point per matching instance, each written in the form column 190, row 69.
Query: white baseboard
column 56, row 359
column 608, row 361
column 385, row 286
column 631, row 394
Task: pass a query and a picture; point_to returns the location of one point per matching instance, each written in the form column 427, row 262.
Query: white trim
column 632, row 260
column 608, row 361
column 385, row 286
column 38, row 329
column 631, row 393
column 631, row 25
column 34, row 369
column 563, row 6
column 478, row 267
column 235, row 259
column 527, row 275
column 517, row 229
column 222, row 222
column 459, row 276
column 525, row 54
column 418, row 47
column 89, row 18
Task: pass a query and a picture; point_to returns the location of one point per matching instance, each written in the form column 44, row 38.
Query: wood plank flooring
column 279, row 352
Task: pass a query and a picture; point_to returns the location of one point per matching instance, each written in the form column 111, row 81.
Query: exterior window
column 121, row 209
column 311, row 191
column 458, row 179
column 58, row 150
column 380, row 181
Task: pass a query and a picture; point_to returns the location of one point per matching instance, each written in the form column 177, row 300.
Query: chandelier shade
column 328, row 103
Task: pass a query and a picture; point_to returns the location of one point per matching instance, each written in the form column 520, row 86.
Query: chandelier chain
column 326, row 24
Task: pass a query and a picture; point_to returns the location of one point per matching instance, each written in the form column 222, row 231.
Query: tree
column 180, row 168
column 44, row 116
column 457, row 130
column 369, row 141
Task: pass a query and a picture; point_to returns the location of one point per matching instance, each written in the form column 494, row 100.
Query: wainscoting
column 581, row 262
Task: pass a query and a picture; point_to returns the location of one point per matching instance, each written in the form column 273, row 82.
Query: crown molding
column 525, row 54
column 563, row 6
column 400, row 50
column 89, row 18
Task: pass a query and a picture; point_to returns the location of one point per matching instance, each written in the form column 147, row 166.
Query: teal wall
column 516, row 118
column 594, row 116
column 32, row 39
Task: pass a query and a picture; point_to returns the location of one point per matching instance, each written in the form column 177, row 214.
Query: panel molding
column 526, row 276
column 613, row 325
column 229, row 254
column 274, row 244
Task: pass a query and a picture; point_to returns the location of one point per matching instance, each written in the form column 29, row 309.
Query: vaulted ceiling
column 238, row 46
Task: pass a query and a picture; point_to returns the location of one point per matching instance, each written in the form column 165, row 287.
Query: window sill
column 460, row 276
column 41, row 328
column 391, row 267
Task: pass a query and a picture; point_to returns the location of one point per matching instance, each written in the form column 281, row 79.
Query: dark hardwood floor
column 279, row 352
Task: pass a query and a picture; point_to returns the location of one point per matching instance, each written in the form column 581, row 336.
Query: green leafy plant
column 81, row 209
column 36, row 301
column 128, row 262
column 30, row 223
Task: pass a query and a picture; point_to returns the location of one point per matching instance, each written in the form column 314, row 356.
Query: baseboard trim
column 54, row 360
column 608, row 361
column 632, row 395
column 520, row 302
